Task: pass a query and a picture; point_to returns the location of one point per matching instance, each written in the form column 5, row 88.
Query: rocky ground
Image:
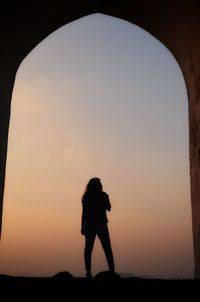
column 104, row 286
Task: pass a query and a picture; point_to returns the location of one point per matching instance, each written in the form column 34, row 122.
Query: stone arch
column 176, row 26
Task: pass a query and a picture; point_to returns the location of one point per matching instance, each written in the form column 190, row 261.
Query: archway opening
column 98, row 97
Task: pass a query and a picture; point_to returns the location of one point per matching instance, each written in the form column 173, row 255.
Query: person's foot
column 88, row 275
column 112, row 270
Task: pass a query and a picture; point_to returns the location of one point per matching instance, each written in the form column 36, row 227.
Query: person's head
column 94, row 185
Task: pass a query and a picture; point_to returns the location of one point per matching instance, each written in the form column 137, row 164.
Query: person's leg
column 90, row 235
column 104, row 237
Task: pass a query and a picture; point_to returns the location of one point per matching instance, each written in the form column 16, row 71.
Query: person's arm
column 107, row 203
column 83, row 221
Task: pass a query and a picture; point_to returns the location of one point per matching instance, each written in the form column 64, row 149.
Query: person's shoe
column 112, row 272
column 88, row 275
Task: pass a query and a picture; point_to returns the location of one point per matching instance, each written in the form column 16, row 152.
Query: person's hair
column 94, row 186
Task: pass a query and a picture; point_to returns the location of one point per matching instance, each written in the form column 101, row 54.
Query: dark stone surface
column 107, row 276
column 63, row 276
column 103, row 288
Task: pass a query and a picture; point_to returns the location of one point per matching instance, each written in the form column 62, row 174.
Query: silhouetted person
column 95, row 202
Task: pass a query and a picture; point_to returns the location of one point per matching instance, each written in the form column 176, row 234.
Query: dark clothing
column 94, row 222
column 90, row 234
column 94, row 208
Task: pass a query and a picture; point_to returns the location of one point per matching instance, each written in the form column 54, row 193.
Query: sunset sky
column 98, row 97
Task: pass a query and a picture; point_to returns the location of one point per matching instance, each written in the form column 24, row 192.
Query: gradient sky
column 98, row 97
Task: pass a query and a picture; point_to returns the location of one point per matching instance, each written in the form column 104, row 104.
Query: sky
column 99, row 97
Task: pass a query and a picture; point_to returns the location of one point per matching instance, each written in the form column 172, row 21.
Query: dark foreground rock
column 64, row 287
